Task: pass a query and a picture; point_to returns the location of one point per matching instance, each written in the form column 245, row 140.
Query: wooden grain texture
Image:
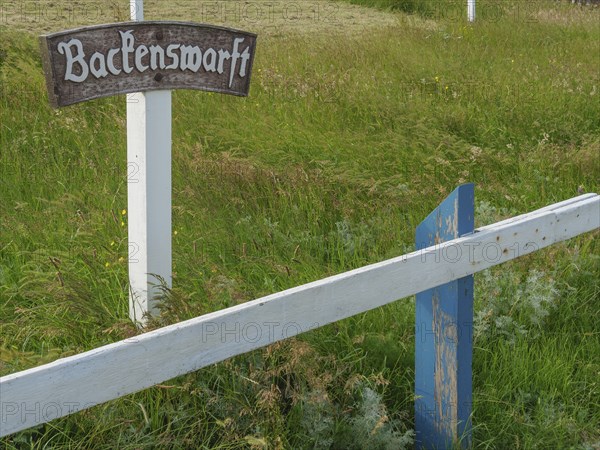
column 204, row 74
column 443, row 335
column 72, row 384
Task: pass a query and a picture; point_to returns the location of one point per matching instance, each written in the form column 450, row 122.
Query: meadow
column 362, row 116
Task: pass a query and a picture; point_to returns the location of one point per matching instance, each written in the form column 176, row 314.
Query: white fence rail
column 68, row 385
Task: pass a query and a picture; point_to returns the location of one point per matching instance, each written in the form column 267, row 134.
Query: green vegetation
column 345, row 144
column 422, row 7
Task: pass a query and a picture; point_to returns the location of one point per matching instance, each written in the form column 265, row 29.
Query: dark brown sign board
column 119, row 58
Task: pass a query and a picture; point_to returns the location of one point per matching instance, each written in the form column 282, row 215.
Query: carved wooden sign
column 104, row 60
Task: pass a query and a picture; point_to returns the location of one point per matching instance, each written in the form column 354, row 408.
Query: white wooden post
column 148, row 194
column 471, row 10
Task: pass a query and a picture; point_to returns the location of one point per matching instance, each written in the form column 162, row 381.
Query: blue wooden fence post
column 443, row 333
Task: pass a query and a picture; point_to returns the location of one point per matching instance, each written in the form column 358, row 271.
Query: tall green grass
column 422, row 7
column 344, row 145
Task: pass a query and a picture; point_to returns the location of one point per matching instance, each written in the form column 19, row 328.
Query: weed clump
column 372, row 427
column 512, row 307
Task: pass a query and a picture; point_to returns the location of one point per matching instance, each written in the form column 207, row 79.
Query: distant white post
column 148, row 193
column 471, row 10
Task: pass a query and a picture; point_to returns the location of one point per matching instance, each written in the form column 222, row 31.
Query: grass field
column 360, row 120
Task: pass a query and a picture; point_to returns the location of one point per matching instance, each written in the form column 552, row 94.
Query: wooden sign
column 104, row 60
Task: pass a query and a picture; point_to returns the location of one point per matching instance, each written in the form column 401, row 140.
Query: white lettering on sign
column 175, row 56
column 66, row 49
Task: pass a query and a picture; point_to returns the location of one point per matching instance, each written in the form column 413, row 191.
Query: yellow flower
column 107, row 264
column 122, row 223
column 123, row 212
column 175, row 232
column 112, row 243
column 121, row 259
column 437, row 79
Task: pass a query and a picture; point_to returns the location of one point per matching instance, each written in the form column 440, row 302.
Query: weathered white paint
column 471, row 10
column 148, row 198
column 78, row 382
column 136, row 10
column 148, row 194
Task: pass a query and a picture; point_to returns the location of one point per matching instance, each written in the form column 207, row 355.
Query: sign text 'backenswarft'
column 113, row 59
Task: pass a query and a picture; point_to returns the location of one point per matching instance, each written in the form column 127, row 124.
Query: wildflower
column 123, row 212
column 121, row 259
column 122, row 223
column 175, row 232
column 112, row 244
column 107, row 264
column 437, row 79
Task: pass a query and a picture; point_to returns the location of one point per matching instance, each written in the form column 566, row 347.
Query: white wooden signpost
column 146, row 60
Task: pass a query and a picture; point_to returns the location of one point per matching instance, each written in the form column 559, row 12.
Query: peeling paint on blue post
column 443, row 334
